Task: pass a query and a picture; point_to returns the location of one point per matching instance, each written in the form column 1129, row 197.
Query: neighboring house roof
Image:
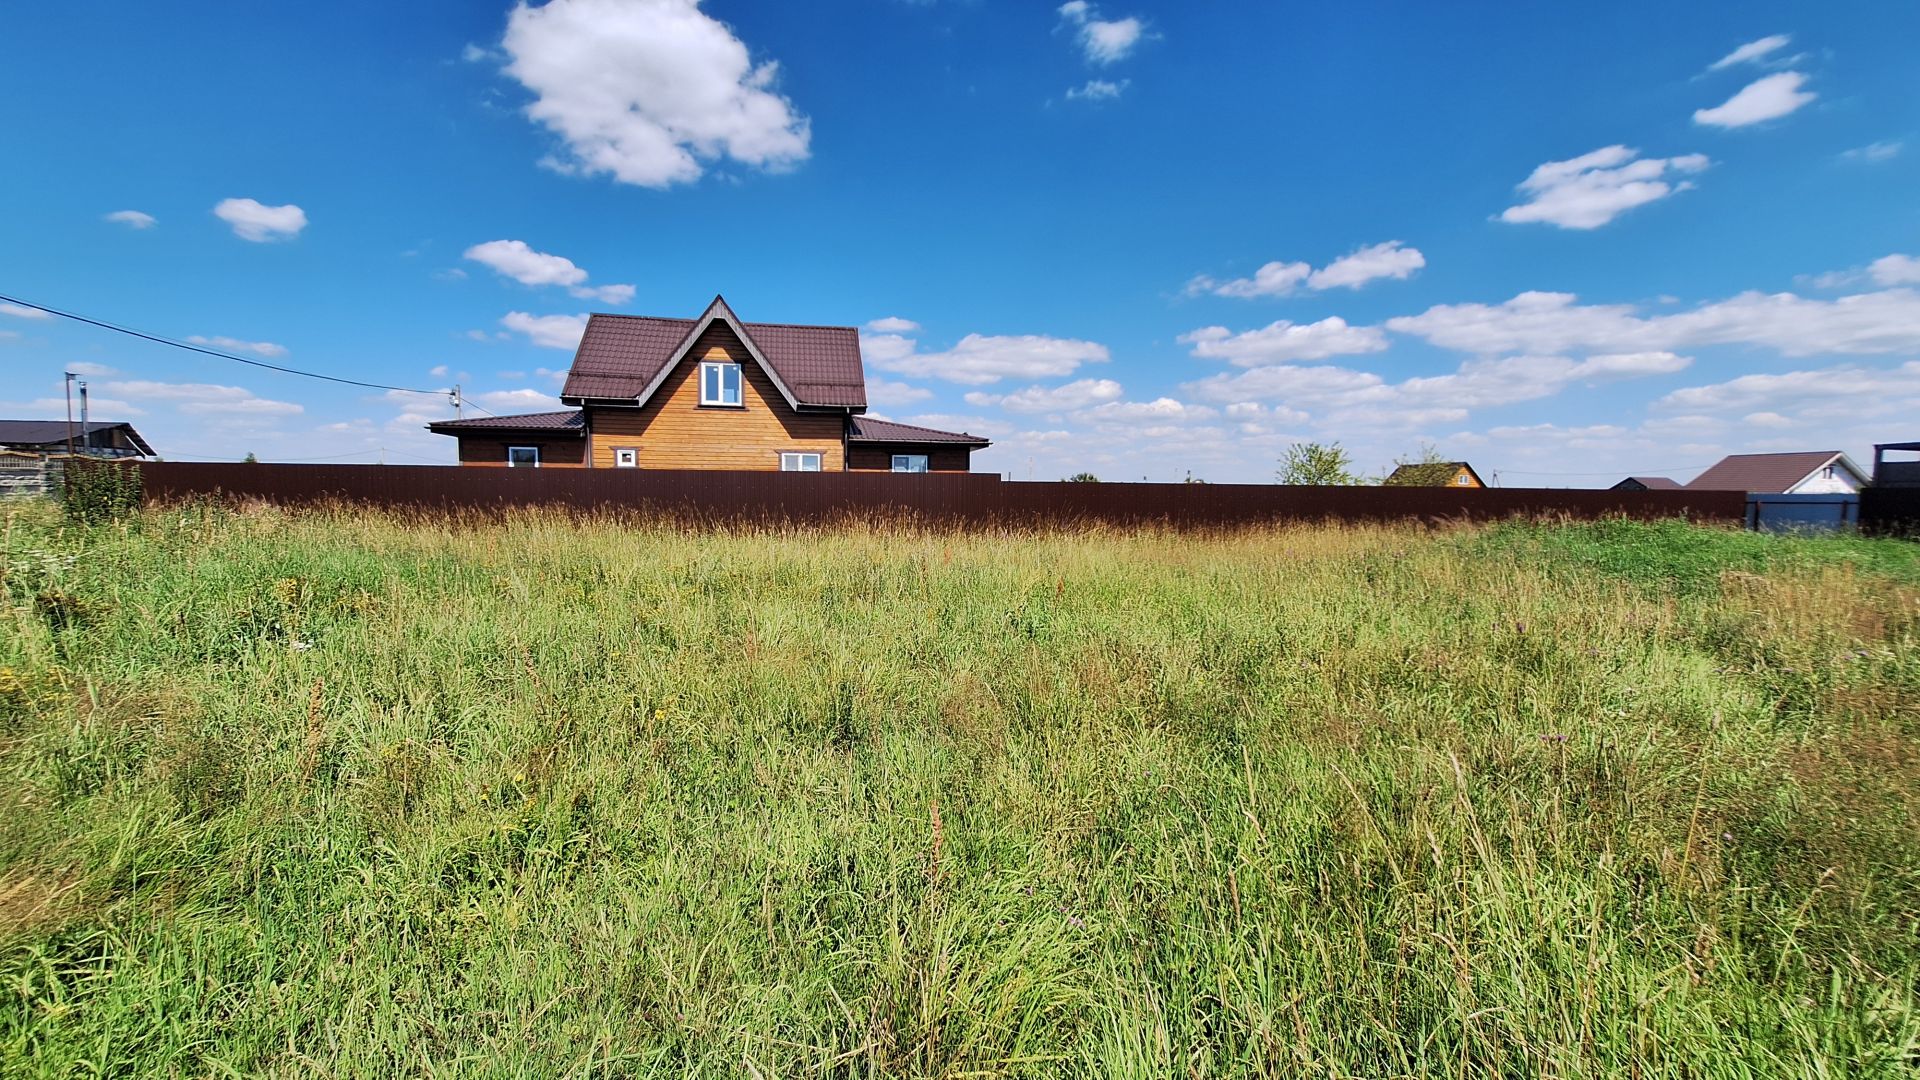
column 1651, row 483
column 627, row 357
column 52, row 432
column 866, row 429
column 565, row 422
column 1770, row 474
column 1413, row 469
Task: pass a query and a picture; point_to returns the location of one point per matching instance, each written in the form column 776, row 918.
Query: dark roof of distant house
column 52, row 432
column 564, row 422
column 1767, row 474
column 1455, row 465
column 1897, row 446
column 621, row 356
column 866, row 429
column 1652, row 483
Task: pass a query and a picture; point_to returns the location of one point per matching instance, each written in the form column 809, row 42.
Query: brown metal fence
column 1890, row 511
column 963, row 498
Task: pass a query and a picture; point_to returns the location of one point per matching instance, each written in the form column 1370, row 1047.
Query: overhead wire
column 188, row 346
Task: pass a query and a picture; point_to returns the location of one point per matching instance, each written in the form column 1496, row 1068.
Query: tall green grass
column 359, row 794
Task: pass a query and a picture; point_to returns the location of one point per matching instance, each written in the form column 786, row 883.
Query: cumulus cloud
column 132, row 219
column 650, row 92
column 1895, row 270
column 549, row 331
column 1283, row 341
column 524, row 399
column 1098, row 90
column 1546, row 322
column 1392, row 259
column 96, row 371
column 1851, row 388
column 1103, row 41
column 893, row 324
column 1767, row 98
column 254, row 220
column 979, row 359
column 1588, row 191
column 203, row 399
column 21, row 311
column 1752, row 52
column 889, row 392
column 517, row 260
column 1080, row 394
column 230, row 344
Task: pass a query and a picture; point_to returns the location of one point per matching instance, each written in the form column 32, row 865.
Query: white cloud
column 1163, row 410
column 133, row 219
column 550, row 331
column 1392, row 259
column 1098, row 90
column 972, row 425
column 1272, row 279
column 1766, row 419
column 517, row 260
column 438, row 371
column 82, row 367
column 649, row 91
column 258, row 222
column 1873, row 153
column 1544, row 322
column 204, row 399
column 1283, row 341
column 1766, row 98
column 893, row 324
column 1588, row 191
column 1752, row 51
column 1388, row 260
column 525, row 399
column 1895, row 270
column 888, row 392
column 979, row 359
column 1079, row 394
column 1103, row 41
column 1850, row 389
column 258, row 348
column 474, row 54
column 20, row 311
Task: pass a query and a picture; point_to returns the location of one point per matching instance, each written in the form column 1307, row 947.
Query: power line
column 104, row 325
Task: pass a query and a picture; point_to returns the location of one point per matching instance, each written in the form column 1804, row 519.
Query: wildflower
column 302, row 646
column 1519, row 628
column 1727, row 836
column 1076, row 922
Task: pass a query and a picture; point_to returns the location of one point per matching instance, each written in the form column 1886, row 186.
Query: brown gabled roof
column 1652, row 483
column 567, row 422
column 867, row 429
column 1766, row 474
column 1413, row 469
column 623, row 357
column 50, row 432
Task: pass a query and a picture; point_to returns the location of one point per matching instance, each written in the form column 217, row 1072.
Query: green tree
column 1317, row 465
column 1083, row 478
column 249, row 459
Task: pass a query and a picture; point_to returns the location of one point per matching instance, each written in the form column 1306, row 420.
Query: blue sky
column 1147, row 240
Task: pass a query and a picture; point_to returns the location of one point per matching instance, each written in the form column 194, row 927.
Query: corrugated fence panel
column 1891, row 511
column 961, row 498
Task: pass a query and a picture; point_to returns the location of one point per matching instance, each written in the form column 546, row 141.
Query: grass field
column 323, row 793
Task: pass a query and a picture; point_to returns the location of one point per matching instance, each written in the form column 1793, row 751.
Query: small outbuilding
column 1646, row 483
column 94, row 439
column 1897, row 473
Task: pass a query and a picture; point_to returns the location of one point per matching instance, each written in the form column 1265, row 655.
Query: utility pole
column 86, row 437
column 69, row 414
column 459, row 404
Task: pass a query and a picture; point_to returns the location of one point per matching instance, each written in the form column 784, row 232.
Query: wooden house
column 711, row 393
column 1434, row 474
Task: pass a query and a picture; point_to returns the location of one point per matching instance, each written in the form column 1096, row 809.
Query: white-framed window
column 626, row 457
column 523, row 457
column 798, row 462
column 909, row 463
column 719, row 383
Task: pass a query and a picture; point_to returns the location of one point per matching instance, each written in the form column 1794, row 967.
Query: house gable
column 670, row 429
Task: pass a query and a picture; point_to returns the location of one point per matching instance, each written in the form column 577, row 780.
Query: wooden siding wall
column 878, row 457
column 674, row 431
column 554, row 453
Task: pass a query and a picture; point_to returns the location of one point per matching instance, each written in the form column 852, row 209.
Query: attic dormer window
column 719, row 384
